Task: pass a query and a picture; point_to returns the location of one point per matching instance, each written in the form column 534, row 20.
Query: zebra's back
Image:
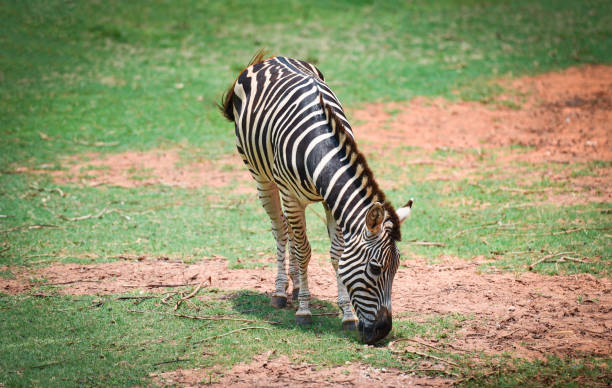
column 282, row 132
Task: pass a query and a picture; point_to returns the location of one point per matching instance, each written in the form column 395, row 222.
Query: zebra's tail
column 225, row 106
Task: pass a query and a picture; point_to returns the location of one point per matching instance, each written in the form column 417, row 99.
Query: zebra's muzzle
column 370, row 334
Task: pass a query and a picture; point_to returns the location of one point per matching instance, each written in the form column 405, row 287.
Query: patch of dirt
column 265, row 371
column 528, row 314
column 564, row 116
column 133, row 169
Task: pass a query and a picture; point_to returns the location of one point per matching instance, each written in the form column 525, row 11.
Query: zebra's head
column 368, row 266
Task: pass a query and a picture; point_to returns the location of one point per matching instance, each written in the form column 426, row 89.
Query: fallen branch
column 45, row 365
column 164, row 300
column 231, row 332
column 524, row 191
column 205, row 318
column 392, row 350
column 563, row 258
column 415, row 341
column 197, row 289
column 567, row 231
column 85, row 217
column 172, row 361
column 483, row 226
column 135, row 297
column 531, row 266
column 44, row 189
column 72, row 282
column 96, row 143
column 28, row 227
column 160, row 285
column 427, row 162
column 427, row 243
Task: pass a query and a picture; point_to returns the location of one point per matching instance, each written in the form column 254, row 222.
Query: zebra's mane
column 225, row 106
column 351, row 151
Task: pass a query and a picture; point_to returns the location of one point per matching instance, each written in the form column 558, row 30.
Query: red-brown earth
column 528, row 314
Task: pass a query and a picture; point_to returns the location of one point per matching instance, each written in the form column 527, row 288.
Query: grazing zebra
column 293, row 136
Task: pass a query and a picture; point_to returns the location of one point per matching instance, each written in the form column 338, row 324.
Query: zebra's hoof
column 349, row 325
column 278, row 302
column 303, row 319
column 295, row 293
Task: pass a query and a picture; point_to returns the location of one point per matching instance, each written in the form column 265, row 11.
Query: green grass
column 146, row 74
column 88, row 340
column 84, row 77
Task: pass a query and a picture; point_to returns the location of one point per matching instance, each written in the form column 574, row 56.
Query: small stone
column 511, row 308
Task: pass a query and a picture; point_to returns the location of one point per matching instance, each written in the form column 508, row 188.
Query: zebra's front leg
column 270, row 200
column 349, row 320
column 294, row 211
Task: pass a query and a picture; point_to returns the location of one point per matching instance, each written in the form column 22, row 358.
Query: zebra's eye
column 375, row 268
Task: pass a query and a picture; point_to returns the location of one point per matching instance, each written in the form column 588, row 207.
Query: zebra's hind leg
column 294, row 269
column 268, row 194
column 349, row 321
column 294, row 211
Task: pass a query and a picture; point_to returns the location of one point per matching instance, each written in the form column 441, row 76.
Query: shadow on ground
column 326, row 316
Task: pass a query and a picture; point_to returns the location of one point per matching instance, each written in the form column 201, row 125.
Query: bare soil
column 564, row 116
column 268, row 371
column 133, row 169
column 557, row 117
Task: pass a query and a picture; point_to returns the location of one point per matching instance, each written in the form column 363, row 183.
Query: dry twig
column 44, row 189
column 483, row 226
column 392, row 350
column 205, row 318
column 172, row 361
column 72, row 282
column 427, row 243
column 160, row 285
column 567, row 231
column 135, row 297
column 543, row 259
column 231, row 332
column 563, row 258
column 87, row 216
column 197, row 289
column 28, row 227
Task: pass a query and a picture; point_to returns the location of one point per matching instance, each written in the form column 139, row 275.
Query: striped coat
column 293, row 136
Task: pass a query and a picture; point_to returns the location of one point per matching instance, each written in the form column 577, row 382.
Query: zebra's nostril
column 378, row 330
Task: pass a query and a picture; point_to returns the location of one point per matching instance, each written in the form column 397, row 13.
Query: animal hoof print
column 349, row 326
column 278, row 302
column 295, row 293
column 303, row 319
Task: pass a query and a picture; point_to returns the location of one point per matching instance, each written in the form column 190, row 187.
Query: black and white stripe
column 293, row 136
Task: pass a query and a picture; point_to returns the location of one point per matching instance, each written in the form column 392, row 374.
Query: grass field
column 78, row 78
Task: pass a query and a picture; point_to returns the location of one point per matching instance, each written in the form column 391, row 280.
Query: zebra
column 295, row 140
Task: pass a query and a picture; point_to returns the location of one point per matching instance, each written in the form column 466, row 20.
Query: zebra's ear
column 374, row 218
column 404, row 211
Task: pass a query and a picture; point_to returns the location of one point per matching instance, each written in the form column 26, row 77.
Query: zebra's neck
column 342, row 177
